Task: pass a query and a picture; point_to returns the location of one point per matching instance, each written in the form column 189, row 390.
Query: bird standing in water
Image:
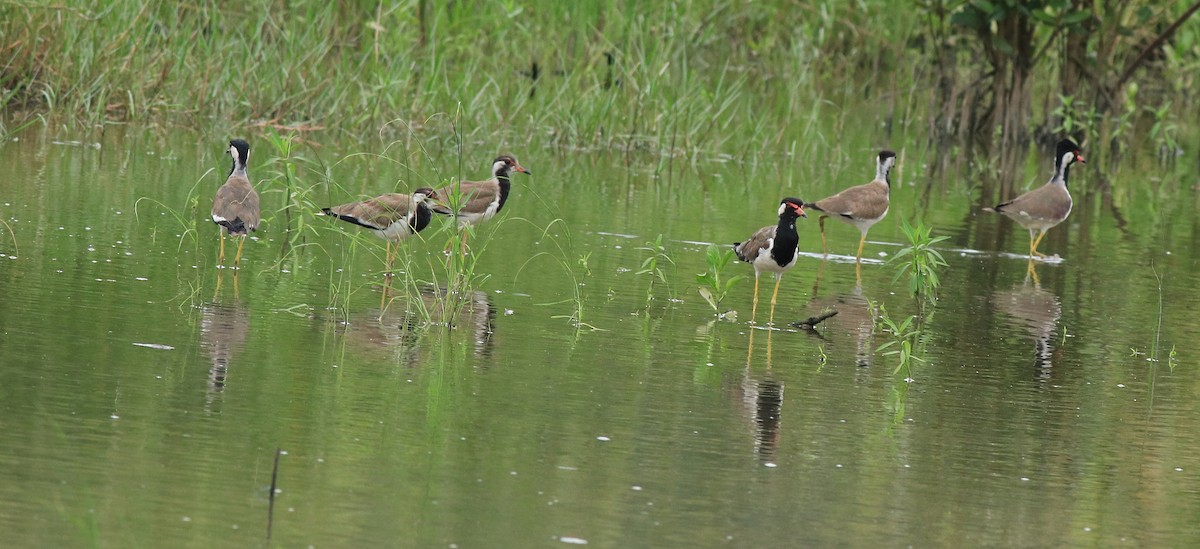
column 235, row 206
column 1048, row 205
column 392, row 217
column 477, row 201
column 773, row 248
column 861, row 205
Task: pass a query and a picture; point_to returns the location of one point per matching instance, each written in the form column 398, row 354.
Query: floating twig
column 811, row 322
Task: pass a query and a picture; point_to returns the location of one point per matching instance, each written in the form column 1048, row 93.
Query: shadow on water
column 1036, row 311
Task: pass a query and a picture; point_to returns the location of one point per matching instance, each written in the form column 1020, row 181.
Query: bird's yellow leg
column 774, row 295
column 824, row 247
column 221, row 256
column 1033, row 247
column 861, row 241
column 237, row 259
column 754, row 309
column 388, row 258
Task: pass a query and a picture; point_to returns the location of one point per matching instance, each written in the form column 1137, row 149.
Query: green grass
column 920, row 261
column 714, row 288
column 670, row 78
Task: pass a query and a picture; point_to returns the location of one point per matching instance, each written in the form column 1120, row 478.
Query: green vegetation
column 920, row 260
column 904, row 335
column 713, row 289
column 904, row 343
column 671, row 76
column 650, row 266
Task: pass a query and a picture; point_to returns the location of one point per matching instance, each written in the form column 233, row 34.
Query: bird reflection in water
column 761, row 399
column 1036, row 311
column 401, row 326
column 854, row 318
column 223, row 329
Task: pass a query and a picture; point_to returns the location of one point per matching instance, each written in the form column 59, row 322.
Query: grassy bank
column 675, row 77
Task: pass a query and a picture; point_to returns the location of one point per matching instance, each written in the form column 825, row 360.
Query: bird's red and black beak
column 520, row 168
column 799, row 210
column 1079, row 157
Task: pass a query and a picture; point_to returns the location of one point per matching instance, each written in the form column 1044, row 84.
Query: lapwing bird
column 473, row 202
column 861, row 205
column 773, row 248
column 392, row 217
column 235, row 207
column 1048, row 205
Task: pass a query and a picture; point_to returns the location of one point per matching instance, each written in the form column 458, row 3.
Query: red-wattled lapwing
column 773, row 248
column 861, row 205
column 478, row 201
column 235, row 207
column 1048, row 205
column 392, row 217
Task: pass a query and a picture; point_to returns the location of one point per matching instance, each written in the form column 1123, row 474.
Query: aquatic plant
column 713, row 287
column 903, row 336
column 919, row 260
column 577, row 270
column 650, row 266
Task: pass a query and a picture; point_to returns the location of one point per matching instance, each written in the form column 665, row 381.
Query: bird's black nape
column 243, row 153
column 242, row 147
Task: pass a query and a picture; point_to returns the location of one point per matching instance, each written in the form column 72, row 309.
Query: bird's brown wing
column 748, row 251
column 1043, row 203
column 376, row 213
column 476, row 196
column 868, row 201
column 237, row 201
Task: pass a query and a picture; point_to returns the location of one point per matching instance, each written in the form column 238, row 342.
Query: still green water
column 137, row 409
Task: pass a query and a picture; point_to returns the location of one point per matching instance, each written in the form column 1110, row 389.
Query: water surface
column 141, row 405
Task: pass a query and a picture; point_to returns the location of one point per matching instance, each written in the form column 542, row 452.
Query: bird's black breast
column 505, row 186
column 786, row 242
column 421, row 219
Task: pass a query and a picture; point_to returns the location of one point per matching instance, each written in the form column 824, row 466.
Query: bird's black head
column 883, row 165
column 1066, row 146
column 791, row 207
column 504, row 164
column 239, row 149
column 424, row 193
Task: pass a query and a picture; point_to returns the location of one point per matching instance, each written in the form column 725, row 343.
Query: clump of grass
column 577, row 269
column 284, row 177
column 714, row 287
column 185, row 218
column 651, row 266
column 903, row 337
column 920, row 261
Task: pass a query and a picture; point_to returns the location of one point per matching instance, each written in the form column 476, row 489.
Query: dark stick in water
column 810, row 322
column 271, row 498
